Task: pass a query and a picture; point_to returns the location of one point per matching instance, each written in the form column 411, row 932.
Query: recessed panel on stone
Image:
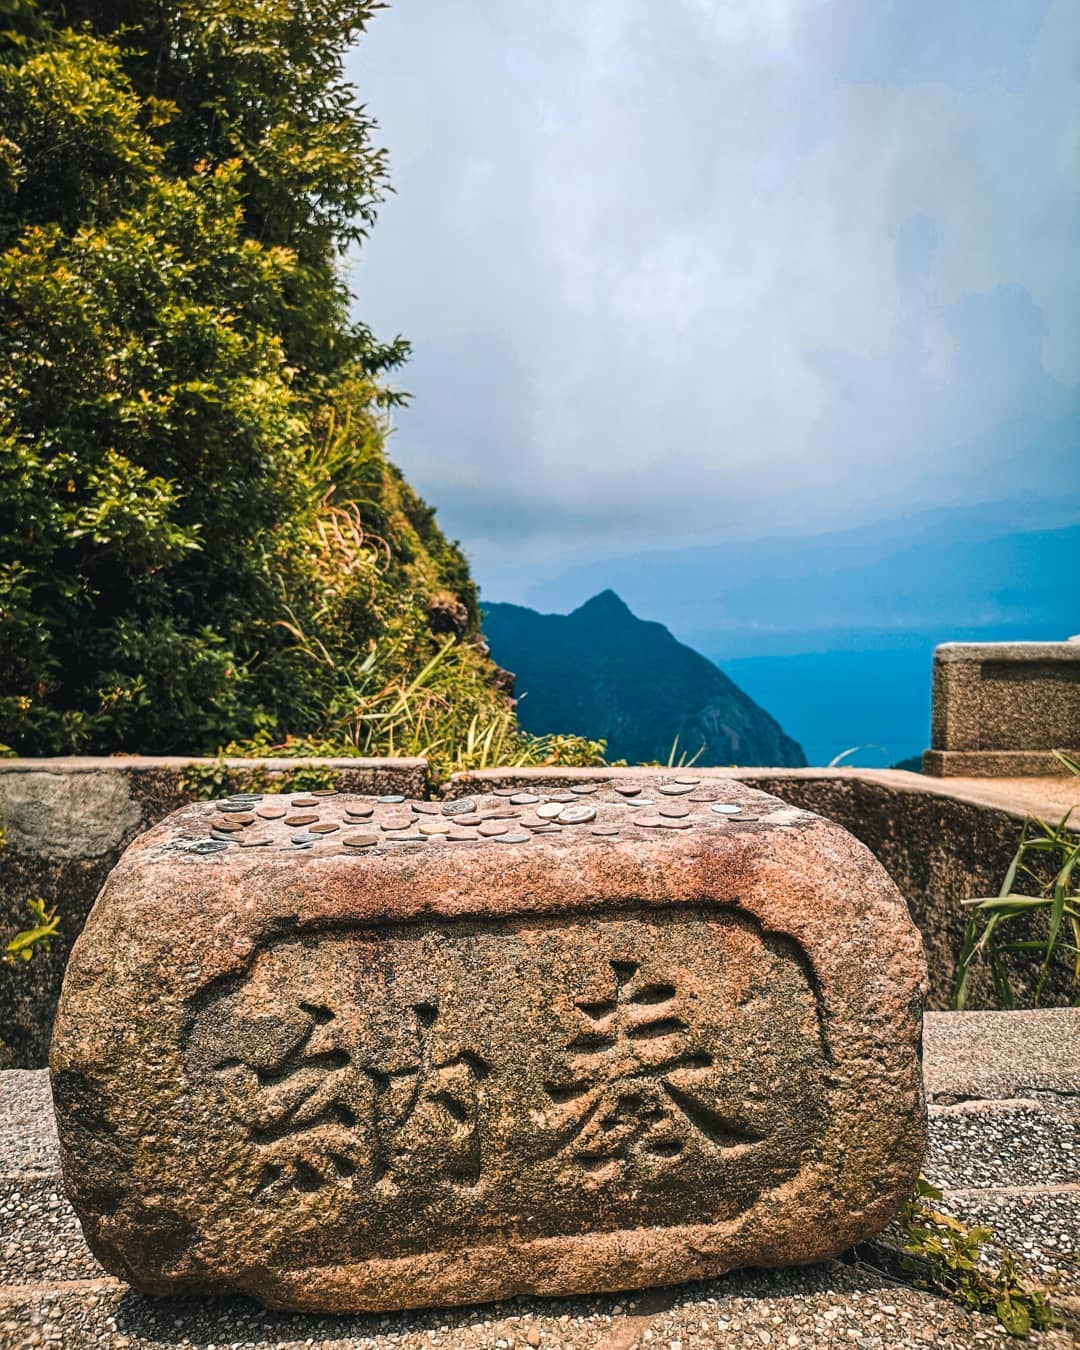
column 361, row 1069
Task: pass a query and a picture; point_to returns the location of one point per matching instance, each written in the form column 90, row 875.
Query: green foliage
column 204, row 782
column 44, row 924
column 202, row 539
column 966, row 1264
column 1045, row 917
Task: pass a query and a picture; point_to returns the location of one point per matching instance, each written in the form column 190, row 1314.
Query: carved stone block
column 345, row 1054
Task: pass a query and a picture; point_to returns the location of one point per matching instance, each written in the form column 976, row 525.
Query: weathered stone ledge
column 52, row 1292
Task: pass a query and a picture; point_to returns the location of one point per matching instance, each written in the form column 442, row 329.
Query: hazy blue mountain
column 603, row 673
column 835, row 634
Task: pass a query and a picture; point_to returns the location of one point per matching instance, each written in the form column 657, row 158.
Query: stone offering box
column 349, row 1053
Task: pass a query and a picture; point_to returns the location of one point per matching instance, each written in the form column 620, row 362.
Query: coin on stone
column 360, row 810
column 324, row 792
column 503, row 792
column 583, row 789
column 234, row 808
column 524, row 798
column 403, row 837
column 563, row 797
column 231, row 826
column 305, row 837
column 255, row 840
column 576, row 814
column 459, row 836
column 547, row 828
column 271, row 812
column 469, row 818
column 674, row 810
column 396, row 823
column 605, row 829
column 206, row 846
column 639, row 801
column 359, row 840
column 324, row 827
column 302, row 818
column 726, row 808
column 460, row 807
column 433, row 827
column 391, row 799
column 492, row 828
column 303, row 801
column 677, row 824
column 501, row 813
column 627, row 789
column 687, row 780
column 516, row 838
column 425, row 808
column 648, row 821
column 674, row 789
column 549, row 810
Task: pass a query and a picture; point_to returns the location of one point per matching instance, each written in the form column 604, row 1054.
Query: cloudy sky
column 710, row 270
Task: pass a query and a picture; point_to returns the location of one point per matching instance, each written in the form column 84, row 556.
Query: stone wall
column 64, row 824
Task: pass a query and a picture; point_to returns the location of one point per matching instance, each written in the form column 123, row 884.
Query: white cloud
column 662, row 277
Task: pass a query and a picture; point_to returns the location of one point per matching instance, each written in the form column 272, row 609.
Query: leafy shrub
column 202, row 539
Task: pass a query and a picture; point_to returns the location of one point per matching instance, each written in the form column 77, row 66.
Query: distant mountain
column 601, row 672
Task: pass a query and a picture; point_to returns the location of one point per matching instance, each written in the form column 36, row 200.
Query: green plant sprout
column 45, row 924
column 1046, row 862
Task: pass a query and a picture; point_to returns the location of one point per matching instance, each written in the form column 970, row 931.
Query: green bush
column 202, row 539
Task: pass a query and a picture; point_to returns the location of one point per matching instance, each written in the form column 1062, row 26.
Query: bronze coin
column 583, row 789
column 493, row 828
column 674, row 810
column 304, row 818
column 605, row 829
column 324, row 792
column 460, row 836
column 677, row 824
column 270, row 812
column 396, row 823
column 675, row 789
column 303, row 801
column 425, row 808
column 360, row 810
column 647, row 821
column 359, row 840
column 255, row 841
column 432, row 828
column 325, row 827
column 230, row 826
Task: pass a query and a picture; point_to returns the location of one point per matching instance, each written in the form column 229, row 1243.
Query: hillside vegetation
column 202, row 540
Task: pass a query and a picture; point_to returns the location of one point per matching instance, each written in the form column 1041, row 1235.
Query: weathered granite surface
column 345, row 1054
column 53, row 1292
column 1001, row 708
column 64, row 823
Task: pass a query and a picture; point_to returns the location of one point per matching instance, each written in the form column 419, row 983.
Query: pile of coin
column 327, row 821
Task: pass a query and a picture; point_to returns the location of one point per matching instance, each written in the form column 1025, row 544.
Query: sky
column 711, row 271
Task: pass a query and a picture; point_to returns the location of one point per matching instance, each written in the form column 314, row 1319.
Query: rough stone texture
column 438, row 1071
column 1000, row 708
column 940, row 840
column 64, row 824
column 837, row 1303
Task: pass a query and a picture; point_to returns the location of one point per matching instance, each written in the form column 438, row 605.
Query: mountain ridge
column 602, row 672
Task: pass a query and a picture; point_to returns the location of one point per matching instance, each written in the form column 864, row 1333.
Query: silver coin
column 693, row 782
column 503, row 792
column 577, row 814
column 626, row 790
column 224, row 838
column 583, row 789
column 563, row 797
column 255, row 841
column 391, row 799
column 726, row 808
column 639, row 801
column 207, row 846
column 515, row 838
column 401, row 837
column 524, row 798
column 549, row 810
column 674, row 789
column 605, row 829
column 305, row 838
column 460, row 807
column 235, row 808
